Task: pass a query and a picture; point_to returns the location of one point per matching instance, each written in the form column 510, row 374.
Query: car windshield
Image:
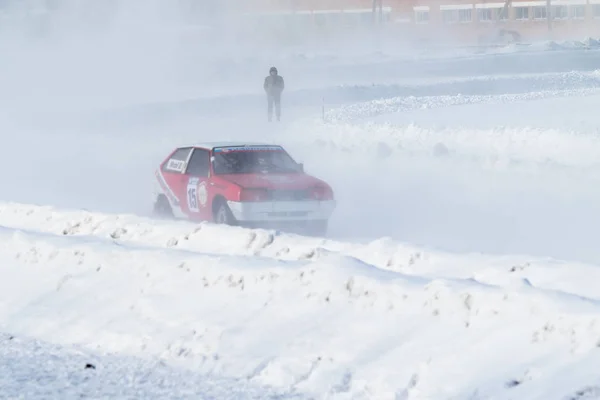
column 243, row 161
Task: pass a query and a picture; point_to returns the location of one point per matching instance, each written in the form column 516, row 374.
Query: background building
column 428, row 22
column 467, row 21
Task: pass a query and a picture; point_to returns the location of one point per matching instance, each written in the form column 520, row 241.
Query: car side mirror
column 301, row 167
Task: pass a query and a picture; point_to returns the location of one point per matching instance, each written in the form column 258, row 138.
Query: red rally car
column 254, row 185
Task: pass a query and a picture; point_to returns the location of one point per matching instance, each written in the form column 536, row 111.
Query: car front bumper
column 281, row 210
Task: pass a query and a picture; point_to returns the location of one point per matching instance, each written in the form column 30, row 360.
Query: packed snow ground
column 332, row 320
column 31, row 369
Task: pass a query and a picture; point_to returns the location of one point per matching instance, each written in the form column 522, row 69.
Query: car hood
column 272, row 181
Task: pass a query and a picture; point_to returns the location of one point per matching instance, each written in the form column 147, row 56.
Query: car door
column 197, row 204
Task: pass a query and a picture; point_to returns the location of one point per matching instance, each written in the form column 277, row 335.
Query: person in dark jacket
column 273, row 87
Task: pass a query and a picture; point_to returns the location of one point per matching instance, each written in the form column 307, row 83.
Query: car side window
column 199, row 164
column 176, row 162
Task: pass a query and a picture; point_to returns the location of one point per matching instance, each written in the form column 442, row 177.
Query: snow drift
column 379, row 320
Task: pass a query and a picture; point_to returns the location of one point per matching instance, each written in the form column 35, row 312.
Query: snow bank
column 588, row 43
column 585, row 44
column 526, row 130
column 300, row 314
column 527, row 149
column 388, row 105
column 206, row 238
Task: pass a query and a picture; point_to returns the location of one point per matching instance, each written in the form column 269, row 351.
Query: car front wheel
column 223, row 215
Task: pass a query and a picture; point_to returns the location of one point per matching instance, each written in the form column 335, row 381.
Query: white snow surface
column 462, row 258
column 309, row 316
column 32, row 369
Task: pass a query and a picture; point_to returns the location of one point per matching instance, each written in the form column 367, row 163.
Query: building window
column 578, row 12
column 521, row 13
column 484, row 14
column 421, row 17
column 560, row 12
column 502, row 14
column 457, row 13
column 450, row 16
column 539, row 13
column 465, row 15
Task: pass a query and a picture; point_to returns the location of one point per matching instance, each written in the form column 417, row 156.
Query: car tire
column 162, row 208
column 223, row 215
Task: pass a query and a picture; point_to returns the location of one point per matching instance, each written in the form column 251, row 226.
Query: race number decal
column 202, row 194
column 192, row 194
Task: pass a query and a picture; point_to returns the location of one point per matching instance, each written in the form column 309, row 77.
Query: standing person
column 273, row 87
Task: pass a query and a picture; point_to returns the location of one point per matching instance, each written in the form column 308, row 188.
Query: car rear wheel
column 162, row 208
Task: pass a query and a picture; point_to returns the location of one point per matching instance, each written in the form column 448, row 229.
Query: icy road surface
column 502, row 173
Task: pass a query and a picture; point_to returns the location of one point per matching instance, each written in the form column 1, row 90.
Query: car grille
column 289, row 195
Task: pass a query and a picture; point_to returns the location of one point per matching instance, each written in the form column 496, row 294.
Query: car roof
column 212, row 145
